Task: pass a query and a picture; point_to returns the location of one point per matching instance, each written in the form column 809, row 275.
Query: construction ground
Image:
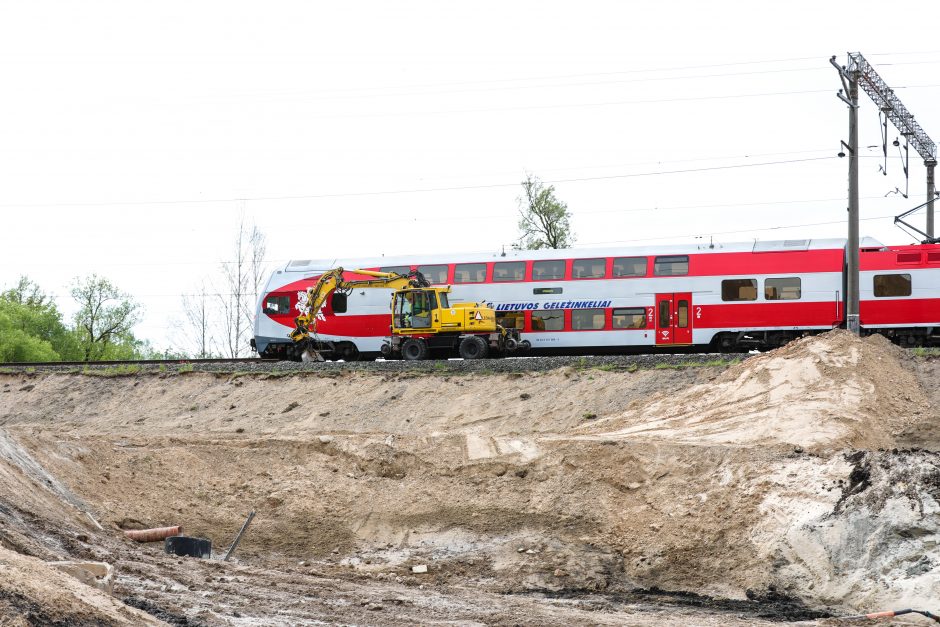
column 795, row 486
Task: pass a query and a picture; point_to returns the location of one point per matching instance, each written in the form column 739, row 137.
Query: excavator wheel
column 473, row 347
column 414, row 349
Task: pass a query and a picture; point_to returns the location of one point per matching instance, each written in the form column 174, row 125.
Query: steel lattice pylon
column 883, row 96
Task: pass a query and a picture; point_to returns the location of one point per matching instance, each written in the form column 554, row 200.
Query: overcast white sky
column 133, row 135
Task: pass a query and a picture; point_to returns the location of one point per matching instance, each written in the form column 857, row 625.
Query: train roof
column 308, row 265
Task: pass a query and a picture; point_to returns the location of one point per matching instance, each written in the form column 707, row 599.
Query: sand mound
column 825, row 392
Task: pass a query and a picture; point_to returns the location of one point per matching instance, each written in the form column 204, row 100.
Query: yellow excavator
column 423, row 320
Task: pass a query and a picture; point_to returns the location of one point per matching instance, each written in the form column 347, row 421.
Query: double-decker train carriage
column 724, row 297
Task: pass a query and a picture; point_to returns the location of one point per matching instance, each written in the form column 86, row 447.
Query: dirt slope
column 782, row 483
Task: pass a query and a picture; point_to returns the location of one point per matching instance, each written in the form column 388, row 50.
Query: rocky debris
column 96, row 574
column 33, row 592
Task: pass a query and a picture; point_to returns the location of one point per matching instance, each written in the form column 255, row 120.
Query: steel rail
column 135, row 362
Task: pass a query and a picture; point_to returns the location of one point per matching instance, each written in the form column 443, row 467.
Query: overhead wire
column 734, row 232
column 579, row 75
column 574, row 105
column 406, row 191
column 430, row 90
column 440, row 218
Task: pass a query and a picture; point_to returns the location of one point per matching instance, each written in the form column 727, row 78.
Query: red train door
column 674, row 318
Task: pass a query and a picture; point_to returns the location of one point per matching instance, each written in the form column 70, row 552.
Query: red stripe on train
column 370, row 325
column 725, row 316
column 743, row 264
column 901, row 311
column 758, row 315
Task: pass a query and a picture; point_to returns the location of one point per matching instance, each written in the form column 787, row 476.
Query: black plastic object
column 339, row 302
column 188, row 547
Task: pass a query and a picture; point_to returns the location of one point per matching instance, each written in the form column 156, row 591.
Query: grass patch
column 124, row 370
column 712, row 363
column 921, row 351
column 184, row 368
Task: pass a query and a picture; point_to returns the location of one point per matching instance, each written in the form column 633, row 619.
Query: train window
column 587, row 319
column 402, row 270
column 470, row 273
column 548, row 270
column 589, row 268
column 511, row 319
column 676, row 265
column 629, row 266
column 630, row 318
column 664, row 320
column 739, row 289
column 787, row 288
column 892, row 285
column 682, row 313
column 277, row 305
column 553, row 320
column 908, row 257
column 436, row 275
column 508, row 271
column 933, row 257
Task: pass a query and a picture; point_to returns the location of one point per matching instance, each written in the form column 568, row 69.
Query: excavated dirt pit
column 796, row 485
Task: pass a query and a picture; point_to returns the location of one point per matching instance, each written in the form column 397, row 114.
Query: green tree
column 16, row 345
column 32, row 327
column 544, row 221
column 104, row 320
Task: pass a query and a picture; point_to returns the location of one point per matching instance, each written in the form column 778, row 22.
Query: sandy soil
column 795, row 484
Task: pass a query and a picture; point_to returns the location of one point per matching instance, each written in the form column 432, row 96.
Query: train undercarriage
column 742, row 341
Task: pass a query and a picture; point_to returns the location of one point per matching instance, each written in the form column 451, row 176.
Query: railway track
column 137, row 362
column 449, row 366
column 256, row 365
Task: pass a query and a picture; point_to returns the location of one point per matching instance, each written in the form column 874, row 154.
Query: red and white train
column 727, row 297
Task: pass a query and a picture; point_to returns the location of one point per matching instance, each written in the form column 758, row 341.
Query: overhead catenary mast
column 849, row 76
column 859, row 73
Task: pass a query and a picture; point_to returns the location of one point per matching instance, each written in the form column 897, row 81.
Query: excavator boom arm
column 332, row 280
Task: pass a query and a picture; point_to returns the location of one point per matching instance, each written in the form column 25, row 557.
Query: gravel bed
column 455, row 366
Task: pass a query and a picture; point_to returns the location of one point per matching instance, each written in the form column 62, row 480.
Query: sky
column 135, row 137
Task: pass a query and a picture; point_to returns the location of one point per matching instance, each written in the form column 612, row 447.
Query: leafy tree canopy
column 32, row 327
column 544, row 221
column 104, row 319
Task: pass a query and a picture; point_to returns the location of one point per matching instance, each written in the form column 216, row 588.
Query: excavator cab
column 416, row 308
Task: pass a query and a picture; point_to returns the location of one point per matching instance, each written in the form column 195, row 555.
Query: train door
column 674, row 318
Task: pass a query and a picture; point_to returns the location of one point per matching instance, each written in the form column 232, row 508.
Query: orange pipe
column 153, row 535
